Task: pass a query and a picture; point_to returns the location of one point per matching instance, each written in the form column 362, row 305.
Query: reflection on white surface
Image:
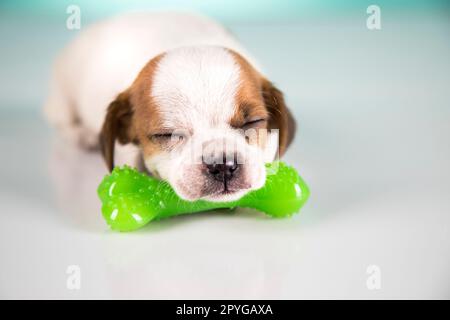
column 373, row 113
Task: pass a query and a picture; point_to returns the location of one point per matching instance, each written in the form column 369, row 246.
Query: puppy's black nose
column 223, row 170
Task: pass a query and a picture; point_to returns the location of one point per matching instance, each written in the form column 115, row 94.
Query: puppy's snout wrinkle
column 224, row 168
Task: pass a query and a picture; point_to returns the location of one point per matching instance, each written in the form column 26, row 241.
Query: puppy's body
column 174, row 72
column 106, row 58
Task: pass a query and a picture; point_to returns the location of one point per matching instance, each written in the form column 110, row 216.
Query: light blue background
column 32, row 32
column 224, row 10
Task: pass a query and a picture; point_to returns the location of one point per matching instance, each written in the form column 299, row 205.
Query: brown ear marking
column 117, row 126
column 280, row 116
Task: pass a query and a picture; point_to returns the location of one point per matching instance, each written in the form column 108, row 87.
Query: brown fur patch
column 249, row 101
column 146, row 118
column 132, row 116
column 259, row 98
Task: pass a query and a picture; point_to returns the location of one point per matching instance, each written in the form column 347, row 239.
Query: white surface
column 373, row 111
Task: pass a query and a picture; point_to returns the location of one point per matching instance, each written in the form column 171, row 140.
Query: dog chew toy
column 132, row 199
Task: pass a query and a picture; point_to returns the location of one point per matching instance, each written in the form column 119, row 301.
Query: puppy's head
column 206, row 121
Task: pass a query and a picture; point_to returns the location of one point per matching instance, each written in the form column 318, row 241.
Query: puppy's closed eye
column 167, row 139
column 254, row 123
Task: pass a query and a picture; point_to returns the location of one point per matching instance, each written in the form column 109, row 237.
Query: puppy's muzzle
column 224, row 168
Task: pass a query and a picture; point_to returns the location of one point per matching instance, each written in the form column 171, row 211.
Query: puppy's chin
column 226, row 196
column 194, row 191
column 190, row 194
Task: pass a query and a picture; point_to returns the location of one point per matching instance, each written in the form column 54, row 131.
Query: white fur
column 106, row 58
column 196, row 88
column 195, row 85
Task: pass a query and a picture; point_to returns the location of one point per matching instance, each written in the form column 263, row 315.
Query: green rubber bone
column 132, row 199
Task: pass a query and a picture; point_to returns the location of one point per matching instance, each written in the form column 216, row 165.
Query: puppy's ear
column 117, row 126
column 280, row 116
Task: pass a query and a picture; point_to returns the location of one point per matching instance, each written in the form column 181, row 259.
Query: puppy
column 175, row 94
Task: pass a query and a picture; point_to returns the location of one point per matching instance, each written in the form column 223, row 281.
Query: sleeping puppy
column 175, row 94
